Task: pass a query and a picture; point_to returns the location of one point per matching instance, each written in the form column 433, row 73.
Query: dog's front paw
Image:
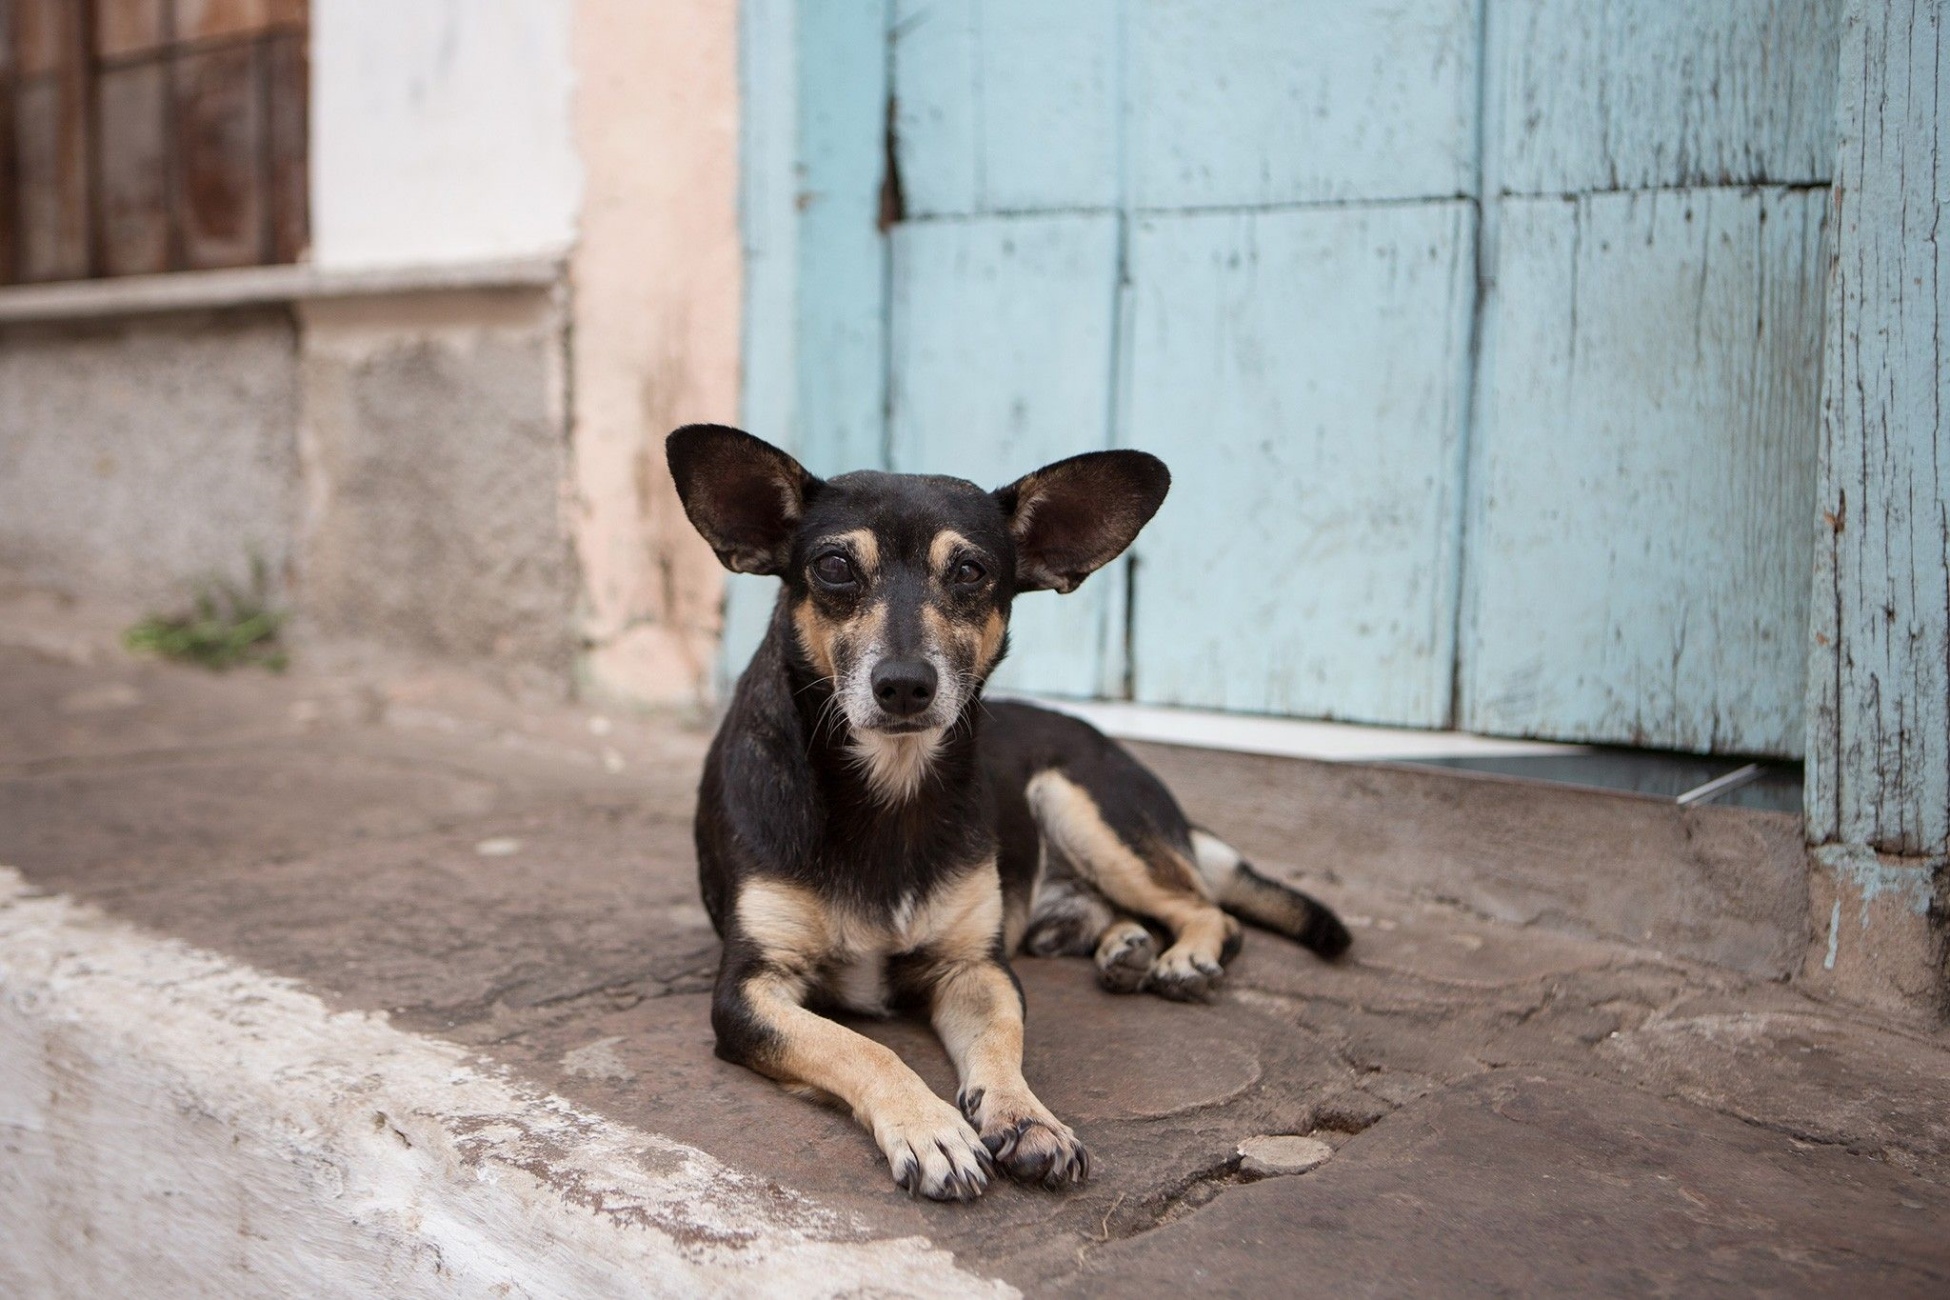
column 1185, row 976
column 1031, row 1145
column 935, row 1153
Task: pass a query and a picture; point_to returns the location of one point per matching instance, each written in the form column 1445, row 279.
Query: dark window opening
column 143, row 136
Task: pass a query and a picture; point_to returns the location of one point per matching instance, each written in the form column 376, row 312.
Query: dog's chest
column 857, row 976
column 848, row 951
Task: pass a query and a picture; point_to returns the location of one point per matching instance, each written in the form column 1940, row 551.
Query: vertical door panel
column 133, row 104
column 813, row 137
column 220, row 148
column 289, row 96
column 1002, row 347
column 125, row 28
column 1640, row 93
column 1293, row 101
column 1641, row 544
column 1006, row 105
column 51, row 167
column 840, row 409
column 1303, row 373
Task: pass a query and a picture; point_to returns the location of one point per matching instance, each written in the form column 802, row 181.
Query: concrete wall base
column 434, row 433
column 138, row 456
column 399, row 460
column 1877, row 931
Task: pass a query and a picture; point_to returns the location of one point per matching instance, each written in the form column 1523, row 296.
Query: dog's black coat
column 928, row 570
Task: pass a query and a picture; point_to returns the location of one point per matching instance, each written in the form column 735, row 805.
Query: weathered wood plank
column 210, row 19
column 50, row 167
column 1638, row 546
column 47, row 34
column 1006, row 105
column 1304, row 374
column 768, row 223
column 842, row 297
column 124, row 28
column 1879, row 730
column 132, row 108
column 1635, row 94
column 219, row 152
column 1001, row 362
column 9, row 206
column 287, row 179
column 1286, row 101
column 813, row 118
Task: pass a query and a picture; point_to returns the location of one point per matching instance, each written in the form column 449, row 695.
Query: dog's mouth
column 905, row 727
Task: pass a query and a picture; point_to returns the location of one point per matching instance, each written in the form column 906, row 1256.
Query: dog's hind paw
column 1125, row 956
column 936, row 1154
column 1185, row 977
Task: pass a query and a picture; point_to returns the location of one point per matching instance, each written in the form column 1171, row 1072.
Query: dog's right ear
column 744, row 495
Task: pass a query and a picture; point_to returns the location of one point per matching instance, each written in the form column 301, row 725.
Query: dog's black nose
column 903, row 687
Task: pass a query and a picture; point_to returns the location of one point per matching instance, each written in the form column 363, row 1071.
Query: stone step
column 391, row 983
column 1708, row 883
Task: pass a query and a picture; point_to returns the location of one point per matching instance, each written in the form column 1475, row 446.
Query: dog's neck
column 895, row 767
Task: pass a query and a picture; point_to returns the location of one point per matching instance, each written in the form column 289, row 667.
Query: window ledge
column 137, row 295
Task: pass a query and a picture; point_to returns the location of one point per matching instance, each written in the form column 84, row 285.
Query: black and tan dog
column 871, row 835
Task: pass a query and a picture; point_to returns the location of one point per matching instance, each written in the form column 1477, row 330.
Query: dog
column 872, row 836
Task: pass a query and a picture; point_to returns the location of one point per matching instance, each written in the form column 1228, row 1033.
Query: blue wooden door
column 1484, row 407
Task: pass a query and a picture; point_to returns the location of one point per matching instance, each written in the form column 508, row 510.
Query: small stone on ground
column 1271, row 1154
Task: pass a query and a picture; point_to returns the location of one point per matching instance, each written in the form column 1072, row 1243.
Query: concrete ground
column 1511, row 1109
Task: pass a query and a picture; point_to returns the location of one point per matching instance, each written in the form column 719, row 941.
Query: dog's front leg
column 977, row 1011
column 761, row 1022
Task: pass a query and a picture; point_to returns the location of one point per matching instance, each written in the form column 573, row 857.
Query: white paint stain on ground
column 598, row 1060
column 176, row 1124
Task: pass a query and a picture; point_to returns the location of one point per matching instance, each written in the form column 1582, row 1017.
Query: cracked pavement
column 1512, row 1109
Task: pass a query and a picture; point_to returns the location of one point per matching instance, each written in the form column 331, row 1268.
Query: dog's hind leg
column 1252, row 897
column 1070, row 919
column 1151, row 879
column 1066, row 920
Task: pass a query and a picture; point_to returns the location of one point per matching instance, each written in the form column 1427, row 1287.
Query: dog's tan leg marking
column 1069, row 818
column 978, row 1016
column 929, row 1147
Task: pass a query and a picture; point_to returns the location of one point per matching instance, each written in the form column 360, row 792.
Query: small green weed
column 227, row 625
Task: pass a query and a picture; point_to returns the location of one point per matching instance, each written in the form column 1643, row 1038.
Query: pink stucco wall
column 656, row 291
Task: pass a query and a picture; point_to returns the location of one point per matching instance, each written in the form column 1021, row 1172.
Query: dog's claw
column 1037, row 1149
column 934, row 1152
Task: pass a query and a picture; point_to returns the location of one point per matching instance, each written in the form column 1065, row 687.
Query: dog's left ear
column 1074, row 517
column 743, row 494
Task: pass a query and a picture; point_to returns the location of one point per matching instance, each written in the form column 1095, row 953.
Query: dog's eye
column 968, row 573
column 835, row 570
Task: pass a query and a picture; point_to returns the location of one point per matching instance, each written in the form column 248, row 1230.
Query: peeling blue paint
column 1910, row 885
column 1472, row 376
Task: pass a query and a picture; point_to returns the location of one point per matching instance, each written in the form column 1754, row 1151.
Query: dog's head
column 900, row 585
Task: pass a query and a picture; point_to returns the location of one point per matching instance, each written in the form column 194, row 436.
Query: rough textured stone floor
column 1512, row 1109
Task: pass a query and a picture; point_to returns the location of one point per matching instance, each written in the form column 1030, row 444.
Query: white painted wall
column 441, row 131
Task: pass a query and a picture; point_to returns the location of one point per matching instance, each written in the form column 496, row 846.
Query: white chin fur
column 896, row 765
